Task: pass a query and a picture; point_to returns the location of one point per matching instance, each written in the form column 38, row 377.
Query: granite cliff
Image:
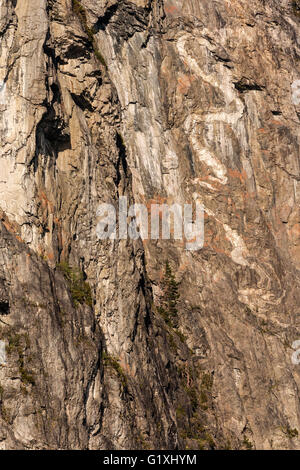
column 163, row 101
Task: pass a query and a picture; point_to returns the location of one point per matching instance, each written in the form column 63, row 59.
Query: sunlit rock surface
column 163, row 101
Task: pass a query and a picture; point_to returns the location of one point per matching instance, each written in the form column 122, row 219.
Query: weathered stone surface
column 173, row 101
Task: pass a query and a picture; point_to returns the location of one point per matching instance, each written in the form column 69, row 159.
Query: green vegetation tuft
column 79, row 10
column 169, row 299
column 81, row 13
column 205, row 390
column 180, row 412
column 227, row 445
column 80, row 290
column 113, row 362
column 100, row 57
column 292, row 433
column 16, row 344
column 191, row 392
column 247, row 443
column 26, row 377
column 180, row 336
column 195, row 385
column 172, row 343
column 5, row 414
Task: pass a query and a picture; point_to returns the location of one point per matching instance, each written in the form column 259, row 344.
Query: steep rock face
column 160, row 101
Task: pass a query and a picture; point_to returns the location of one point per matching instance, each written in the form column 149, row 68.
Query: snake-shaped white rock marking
column 203, row 153
column 262, row 295
column 193, row 120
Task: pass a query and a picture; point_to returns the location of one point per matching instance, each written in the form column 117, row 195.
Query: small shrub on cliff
column 79, row 10
column 81, row 13
column 291, row 433
column 169, row 298
column 247, row 443
column 100, row 57
column 16, row 344
column 113, row 362
column 80, row 290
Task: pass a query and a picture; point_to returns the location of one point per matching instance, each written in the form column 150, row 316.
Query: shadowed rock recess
column 160, row 101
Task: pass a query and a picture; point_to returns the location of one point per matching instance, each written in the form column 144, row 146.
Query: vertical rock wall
column 160, row 101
